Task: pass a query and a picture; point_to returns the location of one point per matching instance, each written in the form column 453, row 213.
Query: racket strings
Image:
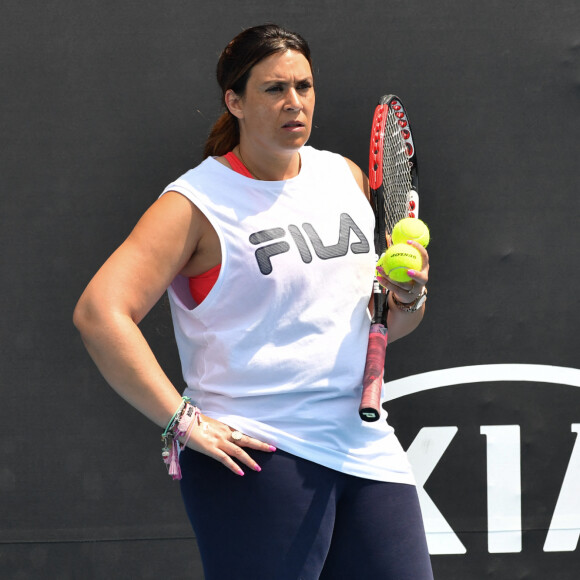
column 396, row 174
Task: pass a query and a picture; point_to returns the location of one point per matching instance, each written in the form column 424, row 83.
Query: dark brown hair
column 233, row 70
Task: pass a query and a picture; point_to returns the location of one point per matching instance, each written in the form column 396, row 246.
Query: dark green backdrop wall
column 104, row 103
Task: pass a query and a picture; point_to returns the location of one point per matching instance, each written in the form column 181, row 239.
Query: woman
column 280, row 478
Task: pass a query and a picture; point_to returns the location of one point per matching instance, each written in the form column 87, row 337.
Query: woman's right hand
column 214, row 438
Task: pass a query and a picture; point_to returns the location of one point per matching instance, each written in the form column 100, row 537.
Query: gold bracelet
column 411, row 306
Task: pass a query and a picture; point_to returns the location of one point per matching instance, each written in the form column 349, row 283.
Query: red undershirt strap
column 237, row 165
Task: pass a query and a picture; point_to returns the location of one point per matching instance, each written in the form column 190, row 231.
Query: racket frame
column 370, row 407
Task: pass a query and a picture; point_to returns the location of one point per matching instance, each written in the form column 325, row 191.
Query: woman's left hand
column 407, row 292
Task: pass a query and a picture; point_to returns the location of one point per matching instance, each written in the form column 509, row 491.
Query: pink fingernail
column 272, row 448
column 257, row 468
column 240, row 472
column 411, row 273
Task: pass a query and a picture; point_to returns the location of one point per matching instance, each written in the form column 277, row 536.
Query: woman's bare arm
column 172, row 236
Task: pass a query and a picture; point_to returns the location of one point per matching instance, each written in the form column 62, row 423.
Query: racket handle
column 370, row 406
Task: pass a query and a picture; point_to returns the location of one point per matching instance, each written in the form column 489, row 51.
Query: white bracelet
column 412, row 306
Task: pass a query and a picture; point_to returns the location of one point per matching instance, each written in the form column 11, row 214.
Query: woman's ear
column 234, row 104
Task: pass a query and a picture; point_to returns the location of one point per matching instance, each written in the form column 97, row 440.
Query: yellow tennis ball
column 410, row 229
column 398, row 259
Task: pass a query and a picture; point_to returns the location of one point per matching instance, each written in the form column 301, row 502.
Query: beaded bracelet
column 411, row 306
column 176, row 416
column 180, row 424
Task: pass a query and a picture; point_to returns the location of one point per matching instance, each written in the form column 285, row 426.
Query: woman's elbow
column 80, row 316
column 85, row 316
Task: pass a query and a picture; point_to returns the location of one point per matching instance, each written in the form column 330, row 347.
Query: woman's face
column 275, row 112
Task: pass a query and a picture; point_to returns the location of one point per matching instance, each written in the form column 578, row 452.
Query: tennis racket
column 394, row 191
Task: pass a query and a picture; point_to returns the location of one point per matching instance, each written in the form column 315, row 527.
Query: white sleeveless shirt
column 277, row 348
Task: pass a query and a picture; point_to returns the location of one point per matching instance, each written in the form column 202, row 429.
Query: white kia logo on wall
column 521, row 464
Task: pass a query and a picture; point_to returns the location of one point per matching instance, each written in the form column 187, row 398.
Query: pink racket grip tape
column 370, row 406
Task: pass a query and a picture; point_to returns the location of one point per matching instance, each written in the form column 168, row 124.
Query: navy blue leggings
column 296, row 520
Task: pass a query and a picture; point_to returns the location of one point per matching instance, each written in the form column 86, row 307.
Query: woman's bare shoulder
column 360, row 177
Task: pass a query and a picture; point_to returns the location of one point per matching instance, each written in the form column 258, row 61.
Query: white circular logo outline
column 481, row 374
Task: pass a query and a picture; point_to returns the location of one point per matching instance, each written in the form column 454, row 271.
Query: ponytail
column 223, row 137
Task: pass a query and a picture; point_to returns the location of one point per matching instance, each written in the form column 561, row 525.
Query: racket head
column 393, row 170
